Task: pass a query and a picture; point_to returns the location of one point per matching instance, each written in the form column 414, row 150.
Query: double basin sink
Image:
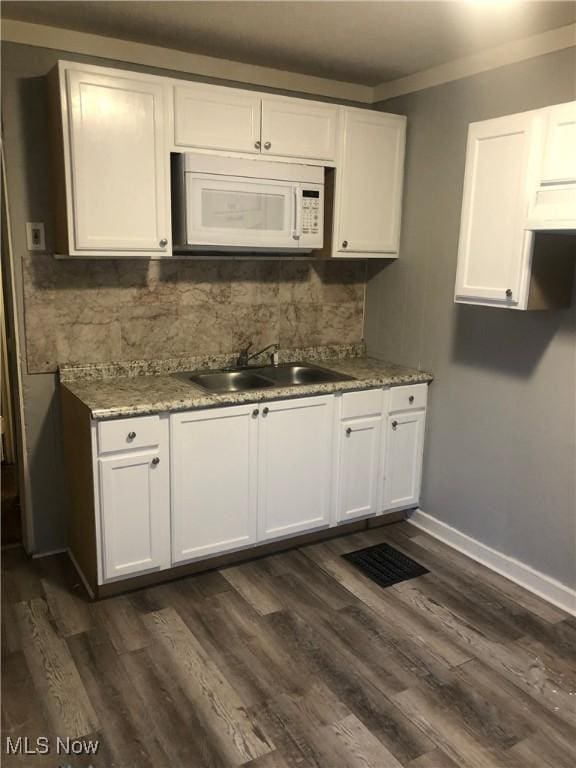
column 246, row 379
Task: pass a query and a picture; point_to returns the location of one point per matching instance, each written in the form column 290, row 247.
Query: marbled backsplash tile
column 104, row 311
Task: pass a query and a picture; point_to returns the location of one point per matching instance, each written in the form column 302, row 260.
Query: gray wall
column 500, row 456
column 48, row 290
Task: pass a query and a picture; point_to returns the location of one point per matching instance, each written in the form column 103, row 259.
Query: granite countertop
column 123, row 396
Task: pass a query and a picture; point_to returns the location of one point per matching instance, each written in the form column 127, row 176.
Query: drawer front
column 127, row 434
column 409, row 397
column 369, row 402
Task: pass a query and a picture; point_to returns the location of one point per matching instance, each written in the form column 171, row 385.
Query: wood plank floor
column 292, row 661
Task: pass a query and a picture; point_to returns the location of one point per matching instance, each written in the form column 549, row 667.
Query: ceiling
column 367, row 43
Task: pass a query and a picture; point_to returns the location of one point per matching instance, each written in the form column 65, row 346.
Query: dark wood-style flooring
column 295, row 660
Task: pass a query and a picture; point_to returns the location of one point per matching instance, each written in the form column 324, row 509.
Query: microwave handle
column 297, row 215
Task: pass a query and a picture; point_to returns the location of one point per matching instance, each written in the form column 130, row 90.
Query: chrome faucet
column 244, row 358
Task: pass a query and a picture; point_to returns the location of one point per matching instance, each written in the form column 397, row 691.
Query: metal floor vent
column 385, row 565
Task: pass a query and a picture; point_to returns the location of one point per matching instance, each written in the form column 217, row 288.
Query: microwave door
column 234, row 212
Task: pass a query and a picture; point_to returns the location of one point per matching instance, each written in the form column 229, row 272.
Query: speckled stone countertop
column 124, row 396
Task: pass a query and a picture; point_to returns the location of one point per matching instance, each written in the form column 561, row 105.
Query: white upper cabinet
column 494, row 248
column 298, row 128
column 213, row 117
column 517, row 180
column 228, row 119
column 295, row 466
column 369, row 179
column 553, row 205
column 116, row 166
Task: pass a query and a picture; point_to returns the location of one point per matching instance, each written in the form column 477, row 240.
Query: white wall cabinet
column 369, row 179
column 517, row 180
column 115, row 200
column 214, row 117
column 214, row 462
column 298, row 128
column 295, row 466
column 494, row 249
column 553, row 205
column 404, row 446
column 228, row 119
column 134, row 502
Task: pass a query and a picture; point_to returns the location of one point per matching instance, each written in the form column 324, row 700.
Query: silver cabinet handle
column 349, row 431
column 255, row 412
column 163, row 243
column 267, row 144
column 265, row 411
column 155, row 461
column 509, row 293
column 394, row 424
column 411, row 399
column 257, row 144
column 344, row 243
column 131, row 435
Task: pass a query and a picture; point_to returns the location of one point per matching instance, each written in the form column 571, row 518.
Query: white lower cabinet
column 214, row 462
column 294, row 466
column 134, row 498
column 403, row 466
column 179, row 488
column 359, row 455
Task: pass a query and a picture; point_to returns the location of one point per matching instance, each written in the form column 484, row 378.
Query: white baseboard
column 534, row 581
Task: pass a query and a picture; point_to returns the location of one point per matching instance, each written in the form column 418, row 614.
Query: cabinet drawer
column 365, row 403
column 127, row 434
column 408, row 397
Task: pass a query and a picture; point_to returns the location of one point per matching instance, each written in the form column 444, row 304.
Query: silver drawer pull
column 131, row 435
column 411, row 399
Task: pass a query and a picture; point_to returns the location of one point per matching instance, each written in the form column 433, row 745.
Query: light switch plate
column 35, row 237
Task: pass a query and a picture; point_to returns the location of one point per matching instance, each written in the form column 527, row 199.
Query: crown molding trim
column 71, row 41
column 118, row 50
column 508, row 53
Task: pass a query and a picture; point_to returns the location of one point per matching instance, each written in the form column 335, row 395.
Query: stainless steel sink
column 246, row 379
column 230, row 381
column 298, row 373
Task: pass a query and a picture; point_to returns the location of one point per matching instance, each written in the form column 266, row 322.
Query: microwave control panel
column 312, row 215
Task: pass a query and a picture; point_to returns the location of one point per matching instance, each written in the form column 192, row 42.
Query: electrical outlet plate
column 35, row 236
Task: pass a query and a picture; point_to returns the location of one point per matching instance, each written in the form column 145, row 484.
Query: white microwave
column 232, row 204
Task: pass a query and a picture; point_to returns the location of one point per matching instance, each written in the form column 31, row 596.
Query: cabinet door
column 212, row 117
column 295, row 128
column 494, row 247
column 358, row 475
column 294, row 479
column 214, row 459
column 135, row 513
column 560, row 148
column 403, row 466
column 118, row 163
column 554, row 203
column 369, row 183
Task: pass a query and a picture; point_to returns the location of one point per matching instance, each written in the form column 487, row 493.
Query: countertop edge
column 207, row 401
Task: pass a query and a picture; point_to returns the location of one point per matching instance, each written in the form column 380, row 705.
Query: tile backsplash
column 104, row 311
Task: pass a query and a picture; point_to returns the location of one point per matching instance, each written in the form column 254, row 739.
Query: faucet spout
column 244, row 358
